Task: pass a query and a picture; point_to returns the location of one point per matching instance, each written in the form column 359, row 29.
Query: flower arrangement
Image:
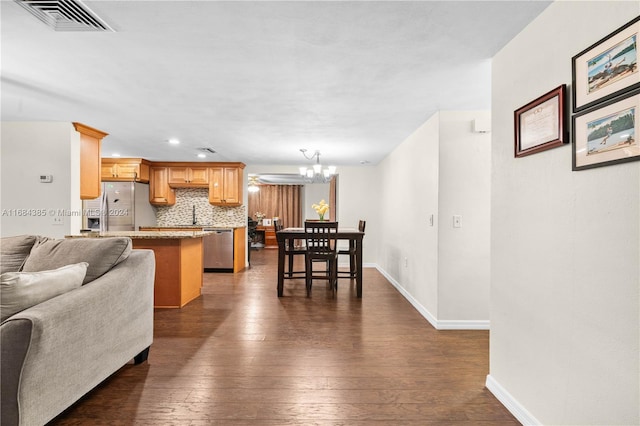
column 321, row 208
column 259, row 216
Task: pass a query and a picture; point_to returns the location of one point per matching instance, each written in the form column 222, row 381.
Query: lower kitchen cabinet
column 239, row 248
column 178, row 277
column 239, row 241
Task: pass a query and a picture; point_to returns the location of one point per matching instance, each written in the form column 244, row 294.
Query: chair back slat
column 321, row 237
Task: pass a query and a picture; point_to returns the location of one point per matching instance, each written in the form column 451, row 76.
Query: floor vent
column 65, row 15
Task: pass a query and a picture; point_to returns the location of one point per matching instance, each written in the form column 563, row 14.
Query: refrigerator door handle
column 104, row 216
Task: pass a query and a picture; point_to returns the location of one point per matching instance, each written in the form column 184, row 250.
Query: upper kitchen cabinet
column 160, row 193
column 224, row 181
column 188, row 176
column 225, row 184
column 90, row 161
column 125, row 169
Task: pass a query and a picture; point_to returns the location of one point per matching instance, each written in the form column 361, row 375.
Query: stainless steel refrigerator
column 123, row 206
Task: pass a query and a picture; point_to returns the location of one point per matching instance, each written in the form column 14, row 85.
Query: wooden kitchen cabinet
column 224, row 181
column 125, row 169
column 160, row 193
column 239, row 240
column 90, row 161
column 225, row 185
column 239, row 248
column 188, row 176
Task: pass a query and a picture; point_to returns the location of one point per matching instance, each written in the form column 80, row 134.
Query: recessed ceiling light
column 115, row 154
column 174, row 141
column 202, row 155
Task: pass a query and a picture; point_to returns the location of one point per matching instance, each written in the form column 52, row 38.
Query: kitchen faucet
column 194, row 215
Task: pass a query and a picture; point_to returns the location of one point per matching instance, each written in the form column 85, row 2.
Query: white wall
column 359, row 199
column 442, row 169
column 312, row 194
column 565, row 246
column 464, row 190
column 407, row 245
column 30, row 149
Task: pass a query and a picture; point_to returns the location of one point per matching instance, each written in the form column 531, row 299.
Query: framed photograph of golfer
column 540, row 124
column 606, row 69
column 607, row 134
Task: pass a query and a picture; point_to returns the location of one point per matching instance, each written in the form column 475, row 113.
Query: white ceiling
column 257, row 80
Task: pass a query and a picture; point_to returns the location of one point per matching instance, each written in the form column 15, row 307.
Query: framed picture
column 266, row 222
column 607, row 68
column 607, row 134
column 540, row 124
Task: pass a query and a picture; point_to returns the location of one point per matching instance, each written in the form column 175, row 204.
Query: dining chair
column 290, row 251
column 321, row 243
column 351, row 252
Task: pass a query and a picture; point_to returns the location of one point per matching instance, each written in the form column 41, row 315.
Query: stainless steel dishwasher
column 218, row 249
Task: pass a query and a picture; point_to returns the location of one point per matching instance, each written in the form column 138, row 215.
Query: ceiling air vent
column 209, row 150
column 65, row 15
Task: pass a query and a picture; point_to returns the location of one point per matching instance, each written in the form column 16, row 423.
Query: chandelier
column 316, row 174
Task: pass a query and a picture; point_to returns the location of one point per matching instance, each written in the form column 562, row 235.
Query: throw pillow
column 14, row 251
column 21, row 290
column 101, row 254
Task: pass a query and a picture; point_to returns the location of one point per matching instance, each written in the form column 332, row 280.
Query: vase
column 321, row 217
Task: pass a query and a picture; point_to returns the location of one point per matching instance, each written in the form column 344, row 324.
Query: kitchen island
column 179, row 267
column 239, row 239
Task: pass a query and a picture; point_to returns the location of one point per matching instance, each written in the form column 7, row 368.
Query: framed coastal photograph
column 607, row 134
column 540, row 124
column 606, row 69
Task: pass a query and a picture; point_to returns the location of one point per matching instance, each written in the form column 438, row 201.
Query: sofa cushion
column 14, row 251
column 101, row 254
column 21, row 290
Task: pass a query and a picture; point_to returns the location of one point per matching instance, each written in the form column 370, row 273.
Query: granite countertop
column 214, row 227
column 148, row 235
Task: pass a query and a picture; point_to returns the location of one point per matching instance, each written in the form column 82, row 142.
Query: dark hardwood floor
column 239, row 355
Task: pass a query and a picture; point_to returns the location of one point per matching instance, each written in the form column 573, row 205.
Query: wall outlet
column 431, row 220
column 406, row 262
column 457, row 221
column 57, row 220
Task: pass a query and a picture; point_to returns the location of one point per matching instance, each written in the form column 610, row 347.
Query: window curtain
column 282, row 201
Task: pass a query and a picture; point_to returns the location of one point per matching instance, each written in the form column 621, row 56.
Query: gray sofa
column 56, row 351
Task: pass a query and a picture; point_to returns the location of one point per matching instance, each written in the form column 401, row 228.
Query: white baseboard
column 510, row 403
column 463, row 325
column 437, row 324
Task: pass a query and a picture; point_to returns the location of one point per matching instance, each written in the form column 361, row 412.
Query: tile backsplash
column 181, row 213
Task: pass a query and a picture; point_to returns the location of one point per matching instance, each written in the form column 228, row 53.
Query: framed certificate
column 540, row 124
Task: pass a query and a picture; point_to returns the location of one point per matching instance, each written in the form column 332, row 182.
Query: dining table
column 289, row 235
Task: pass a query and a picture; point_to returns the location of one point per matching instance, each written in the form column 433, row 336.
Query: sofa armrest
column 64, row 347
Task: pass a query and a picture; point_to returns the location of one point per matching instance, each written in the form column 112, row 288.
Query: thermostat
column 46, row 178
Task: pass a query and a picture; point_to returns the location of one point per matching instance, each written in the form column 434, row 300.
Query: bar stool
column 321, row 239
column 351, row 252
column 290, row 251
